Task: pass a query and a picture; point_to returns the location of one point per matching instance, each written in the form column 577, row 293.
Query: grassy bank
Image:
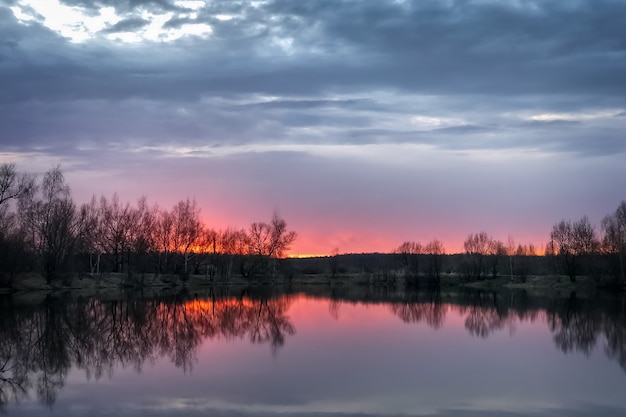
column 114, row 282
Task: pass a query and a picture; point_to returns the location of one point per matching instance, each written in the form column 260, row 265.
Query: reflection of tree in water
column 482, row 321
column 13, row 384
column 433, row 312
column 484, row 312
column 39, row 344
column 615, row 333
column 581, row 324
column 261, row 321
column 575, row 327
column 13, row 381
column 487, row 313
column 577, row 324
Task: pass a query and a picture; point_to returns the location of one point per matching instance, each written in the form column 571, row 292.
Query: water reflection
column 40, row 342
column 577, row 323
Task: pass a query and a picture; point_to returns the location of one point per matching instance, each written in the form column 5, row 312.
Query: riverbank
column 114, row 282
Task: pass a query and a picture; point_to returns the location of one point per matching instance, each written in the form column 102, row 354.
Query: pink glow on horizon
column 318, row 235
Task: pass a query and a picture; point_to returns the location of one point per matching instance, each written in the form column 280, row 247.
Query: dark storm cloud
column 543, row 47
column 501, row 47
column 323, row 65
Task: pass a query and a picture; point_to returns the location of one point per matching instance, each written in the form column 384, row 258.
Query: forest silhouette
column 43, row 231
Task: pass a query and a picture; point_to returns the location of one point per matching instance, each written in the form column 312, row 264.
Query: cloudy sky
column 366, row 123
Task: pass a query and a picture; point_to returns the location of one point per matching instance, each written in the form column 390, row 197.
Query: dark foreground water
column 340, row 353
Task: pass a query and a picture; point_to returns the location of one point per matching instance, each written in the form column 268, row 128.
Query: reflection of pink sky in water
column 328, row 320
column 352, row 357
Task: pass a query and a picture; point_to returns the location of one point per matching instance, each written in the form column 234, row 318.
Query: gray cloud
column 124, row 6
column 307, row 104
column 552, row 123
column 550, row 48
column 127, row 25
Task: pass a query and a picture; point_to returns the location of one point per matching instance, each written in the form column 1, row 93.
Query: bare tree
column 333, row 261
column 12, row 185
column 117, row 223
column 268, row 241
column 281, row 238
column 88, row 220
column 143, row 234
column 409, row 253
column 188, row 230
column 92, row 244
column 212, row 251
column 523, row 254
column 510, row 251
column 436, row 252
column 476, row 248
column 164, row 236
column 614, row 240
column 13, row 253
column 53, row 223
column 571, row 242
column 496, row 252
column 260, row 235
column 235, row 246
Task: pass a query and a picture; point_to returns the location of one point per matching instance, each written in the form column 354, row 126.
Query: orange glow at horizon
column 312, row 243
column 309, row 251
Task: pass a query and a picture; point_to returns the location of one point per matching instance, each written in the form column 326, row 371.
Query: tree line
column 43, row 230
column 575, row 248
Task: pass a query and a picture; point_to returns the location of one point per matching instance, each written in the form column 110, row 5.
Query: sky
column 365, row 123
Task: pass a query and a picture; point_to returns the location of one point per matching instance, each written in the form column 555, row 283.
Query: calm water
column 244, row 353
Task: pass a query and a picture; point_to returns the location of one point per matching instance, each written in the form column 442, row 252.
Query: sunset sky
column 365, row 123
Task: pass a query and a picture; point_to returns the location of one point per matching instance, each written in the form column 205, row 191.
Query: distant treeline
column 575, row 248
column 42, row 230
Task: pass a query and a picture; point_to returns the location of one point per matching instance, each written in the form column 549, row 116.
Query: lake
column 318, row 352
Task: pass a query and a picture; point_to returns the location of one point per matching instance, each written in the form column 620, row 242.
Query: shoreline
column 150, row 283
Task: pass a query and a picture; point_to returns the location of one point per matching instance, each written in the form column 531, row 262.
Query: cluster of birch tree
column 43, row 230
